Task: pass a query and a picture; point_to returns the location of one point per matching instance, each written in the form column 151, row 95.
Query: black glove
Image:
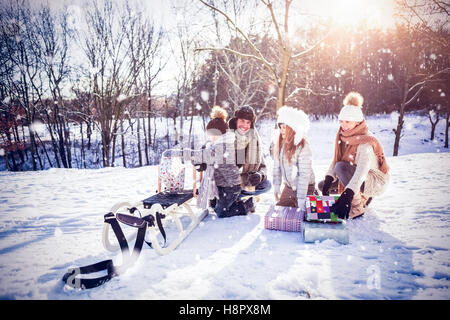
column 326, row 185
column 255, row 178
column 200, row 167
column 343, row 204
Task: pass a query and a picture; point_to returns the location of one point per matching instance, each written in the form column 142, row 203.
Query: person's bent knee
column 340, row 166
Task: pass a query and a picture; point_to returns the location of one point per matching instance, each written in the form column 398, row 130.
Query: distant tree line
column 107, row 86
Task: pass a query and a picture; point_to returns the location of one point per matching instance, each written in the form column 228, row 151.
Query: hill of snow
column 52, row 220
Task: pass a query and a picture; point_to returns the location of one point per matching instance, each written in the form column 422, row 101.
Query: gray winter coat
column 221, row 155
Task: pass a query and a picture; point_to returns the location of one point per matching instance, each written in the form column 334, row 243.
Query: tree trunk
column 147, row 158
column 433, row 125
column 447, row 124
column 139, row 140
column 67, row 143
column 286, row 57
column 122, row 138
column 83, row 154
column 399, row 129
column 6, row 160
column 45, row 151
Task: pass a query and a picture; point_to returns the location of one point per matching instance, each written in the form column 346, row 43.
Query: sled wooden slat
column 168, row 199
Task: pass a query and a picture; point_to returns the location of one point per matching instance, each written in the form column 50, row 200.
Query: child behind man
column 219, row 157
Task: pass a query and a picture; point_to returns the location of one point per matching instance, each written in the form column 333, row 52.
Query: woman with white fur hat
column 359, row 163
column 292, row 158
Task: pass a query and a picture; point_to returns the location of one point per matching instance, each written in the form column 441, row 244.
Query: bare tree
column 278, row 69
column 22, row 78
column 50, row 46
column 433, row 16
column 106, row 46
column 410, row 79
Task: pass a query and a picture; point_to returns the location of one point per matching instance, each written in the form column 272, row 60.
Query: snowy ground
column 52, row 220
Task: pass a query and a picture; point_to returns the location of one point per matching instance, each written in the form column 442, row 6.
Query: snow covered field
column 52, row 220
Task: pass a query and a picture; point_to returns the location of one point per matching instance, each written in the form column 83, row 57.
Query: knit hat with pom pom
column 352, row 110
column 217, row 125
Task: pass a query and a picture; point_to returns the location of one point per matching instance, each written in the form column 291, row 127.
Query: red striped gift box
column 284, row 218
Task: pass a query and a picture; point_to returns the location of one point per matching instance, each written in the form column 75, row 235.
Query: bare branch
column 305, row 52
column 254, row 48
column 231, row 51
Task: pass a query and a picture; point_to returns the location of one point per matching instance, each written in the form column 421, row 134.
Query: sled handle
column 194, row 178
column 159, row 181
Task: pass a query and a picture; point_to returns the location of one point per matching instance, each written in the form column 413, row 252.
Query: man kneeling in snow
column 249, row 154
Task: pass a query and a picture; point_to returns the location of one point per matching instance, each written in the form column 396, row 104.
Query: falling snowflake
column 433, row 56
column 2, row 152
column 225, row 104
column 94, row 70
column 394, row 116
column 204, row 95
column 121, row 97
column 198, row 106
column 272, row 89
column 390, row 77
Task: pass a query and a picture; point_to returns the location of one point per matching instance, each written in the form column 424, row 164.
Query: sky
column 302, row 12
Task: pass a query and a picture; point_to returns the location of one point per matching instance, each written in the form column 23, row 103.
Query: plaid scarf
column 248, row 150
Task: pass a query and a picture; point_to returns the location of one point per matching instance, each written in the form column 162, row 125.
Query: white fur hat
column 351, row 113
column 296, row 119
column 352, row 109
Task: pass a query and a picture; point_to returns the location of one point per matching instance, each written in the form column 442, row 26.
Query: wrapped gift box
column 284, row 218
column 318, row 208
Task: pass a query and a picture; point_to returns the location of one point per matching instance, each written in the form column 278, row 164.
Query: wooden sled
column 167, row 209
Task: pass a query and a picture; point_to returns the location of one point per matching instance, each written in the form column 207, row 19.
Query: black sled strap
column 151, row 222
column 71, row 277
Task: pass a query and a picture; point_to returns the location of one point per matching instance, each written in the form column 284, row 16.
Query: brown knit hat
column 217, row 125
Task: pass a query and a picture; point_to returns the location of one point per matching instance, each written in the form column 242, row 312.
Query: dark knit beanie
column 218, row 124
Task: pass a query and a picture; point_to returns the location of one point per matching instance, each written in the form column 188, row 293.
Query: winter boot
column 213, row 202
column 249, row 205
column 357, row 206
